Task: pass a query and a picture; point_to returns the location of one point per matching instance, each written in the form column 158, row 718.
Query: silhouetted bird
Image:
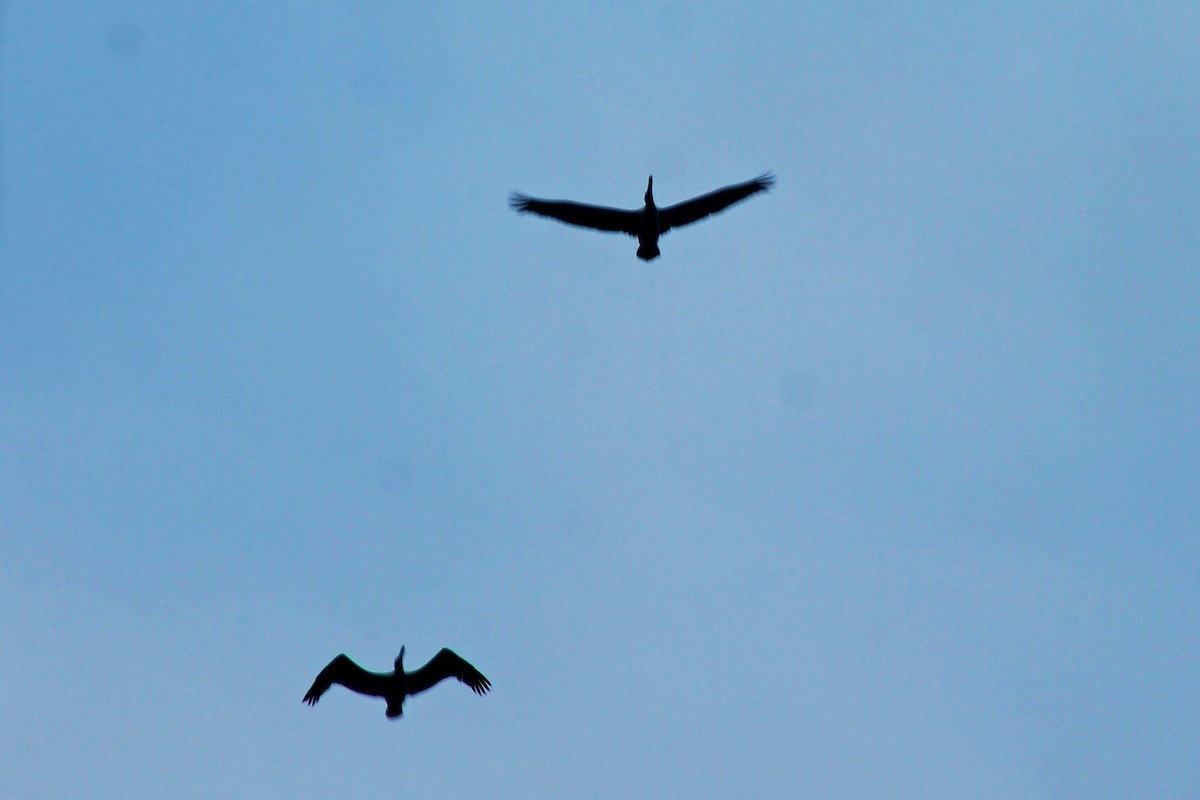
column 651, row 221
column 397, row 685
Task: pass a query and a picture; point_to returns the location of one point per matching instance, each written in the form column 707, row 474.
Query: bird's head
column 650, row 190
column 400, row 660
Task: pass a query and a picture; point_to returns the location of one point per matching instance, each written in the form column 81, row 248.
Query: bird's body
column 648, row 223
column 397, row 685
column 648, row 228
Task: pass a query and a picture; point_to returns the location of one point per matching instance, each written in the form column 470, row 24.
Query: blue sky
column 882, row 484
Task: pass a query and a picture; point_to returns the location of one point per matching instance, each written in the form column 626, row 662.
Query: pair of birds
column 647, row 225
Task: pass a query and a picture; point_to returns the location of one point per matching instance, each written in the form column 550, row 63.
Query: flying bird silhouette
column 395, row 686
column 651, row 221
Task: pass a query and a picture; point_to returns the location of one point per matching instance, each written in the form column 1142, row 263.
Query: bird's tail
column 648, row 252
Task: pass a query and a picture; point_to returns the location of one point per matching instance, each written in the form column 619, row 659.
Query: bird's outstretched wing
column 447, row 664
column 344, row 671
column 600, row 218
column 698, row 208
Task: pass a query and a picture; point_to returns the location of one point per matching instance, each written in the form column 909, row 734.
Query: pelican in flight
column 396, row 685
column 648, row 223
